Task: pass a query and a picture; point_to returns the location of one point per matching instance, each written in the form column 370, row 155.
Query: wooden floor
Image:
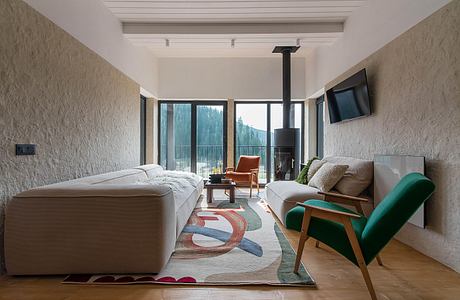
column 406, row 274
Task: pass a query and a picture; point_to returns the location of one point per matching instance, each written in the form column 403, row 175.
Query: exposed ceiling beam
column 231, row 28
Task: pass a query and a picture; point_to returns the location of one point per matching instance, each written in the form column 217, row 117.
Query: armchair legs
column 359, row 256
column 251, row 183
column 379, row 260
column 353, row 241
column 303, row 238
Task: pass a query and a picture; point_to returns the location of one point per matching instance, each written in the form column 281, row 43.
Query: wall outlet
column 25, row 149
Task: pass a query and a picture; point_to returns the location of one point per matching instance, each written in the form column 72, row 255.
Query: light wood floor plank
column 406, row 274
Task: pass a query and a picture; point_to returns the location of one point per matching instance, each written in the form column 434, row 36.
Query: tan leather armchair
column 246, row 172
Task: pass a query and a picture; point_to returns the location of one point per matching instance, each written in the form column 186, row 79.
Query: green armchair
column 357, row 238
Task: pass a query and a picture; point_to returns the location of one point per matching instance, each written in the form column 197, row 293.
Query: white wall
column 91, row 22
column 368, row 29
column 228, row 78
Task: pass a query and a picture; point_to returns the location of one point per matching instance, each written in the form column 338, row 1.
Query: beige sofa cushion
column 126, row 176
column 327, row 176
column 151, row 170
column 314, row 167
column 291, row 191
column 358, row 176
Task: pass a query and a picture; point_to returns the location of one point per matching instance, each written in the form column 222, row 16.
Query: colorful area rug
column 223, row 244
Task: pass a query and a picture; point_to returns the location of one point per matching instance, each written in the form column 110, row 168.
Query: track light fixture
column 232, row 43
column 167, row 42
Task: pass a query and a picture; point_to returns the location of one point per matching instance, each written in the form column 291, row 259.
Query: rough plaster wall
column 81, row 112
column 415, row 89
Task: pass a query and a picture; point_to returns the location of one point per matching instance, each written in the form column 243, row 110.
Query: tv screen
column 349, row 99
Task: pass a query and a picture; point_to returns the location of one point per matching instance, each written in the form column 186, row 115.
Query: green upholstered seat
column 329, row 232
column 376, row 231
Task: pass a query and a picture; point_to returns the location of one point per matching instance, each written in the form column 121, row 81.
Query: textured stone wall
column 81, row 112
column 414, row 83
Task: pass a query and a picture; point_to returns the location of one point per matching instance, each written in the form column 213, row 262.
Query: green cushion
column 394, row 211
column 328, row 232
column 302, row 178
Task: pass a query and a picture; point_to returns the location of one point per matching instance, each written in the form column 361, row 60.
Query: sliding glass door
column 175, row 137
column 251, row 134
column 255, row 123
column 193, row 136
column 210, row 151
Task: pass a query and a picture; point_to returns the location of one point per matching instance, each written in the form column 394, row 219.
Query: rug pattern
column 223, row 244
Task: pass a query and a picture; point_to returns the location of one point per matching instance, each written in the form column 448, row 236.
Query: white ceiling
column 206, row 28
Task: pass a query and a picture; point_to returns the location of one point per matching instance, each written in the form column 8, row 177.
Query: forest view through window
column 254, row 131
column 192, row 137
column 193, row 134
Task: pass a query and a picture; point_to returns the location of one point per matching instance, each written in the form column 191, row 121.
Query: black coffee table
column 220, row 186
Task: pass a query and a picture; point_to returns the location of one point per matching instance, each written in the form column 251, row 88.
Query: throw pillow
column 327, row 176
column 314, row 167
column 302, row 178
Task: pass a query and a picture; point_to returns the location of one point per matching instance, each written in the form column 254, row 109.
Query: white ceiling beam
column 231, row 28
column 232, row 4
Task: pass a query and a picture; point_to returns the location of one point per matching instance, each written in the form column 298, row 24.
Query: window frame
column 143, row 130
column 320, row 122
column 193, row 127
column 268, row 167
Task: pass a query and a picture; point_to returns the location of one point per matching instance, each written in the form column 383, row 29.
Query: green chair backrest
column 393, row 212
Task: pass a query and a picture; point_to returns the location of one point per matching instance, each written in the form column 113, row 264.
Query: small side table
column 220, row 186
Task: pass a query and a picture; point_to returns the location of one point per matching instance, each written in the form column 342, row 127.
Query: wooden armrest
column 328, row 213
column 254, row 170
column 229, row 169
column 346, row 197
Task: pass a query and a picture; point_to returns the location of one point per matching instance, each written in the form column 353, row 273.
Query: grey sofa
column 119, row 222
column 281, row 196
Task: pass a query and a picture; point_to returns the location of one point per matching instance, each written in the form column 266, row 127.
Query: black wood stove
column 286, row 139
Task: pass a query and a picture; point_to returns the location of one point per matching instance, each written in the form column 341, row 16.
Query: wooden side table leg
column 209, row 195
column 232, row 194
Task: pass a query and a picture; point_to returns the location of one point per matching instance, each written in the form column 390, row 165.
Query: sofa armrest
column 124, row 228
column 330, row 214
column 341, row 196
column 99, row 190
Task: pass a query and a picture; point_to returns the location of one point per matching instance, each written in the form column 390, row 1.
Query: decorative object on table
column 246, row 172
column 216, row 178
column 223, row 244
column 357, row 238
column 210, row 187
column 226, row 180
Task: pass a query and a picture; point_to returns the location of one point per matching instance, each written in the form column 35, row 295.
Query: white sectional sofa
column 282, row 196
column 119, row 222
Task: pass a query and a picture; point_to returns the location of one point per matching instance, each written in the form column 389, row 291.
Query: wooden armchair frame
column 382, row 225
column 347, row 200
column 340, row 217
column 253, row 176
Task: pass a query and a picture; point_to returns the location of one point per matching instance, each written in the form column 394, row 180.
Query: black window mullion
column 143, row 116
column 224, row 136
column 193, row 129
column 302, row 138
column 319, row 127
column 268, row 155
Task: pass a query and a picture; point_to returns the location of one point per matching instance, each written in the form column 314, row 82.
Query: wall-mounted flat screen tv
column 349, row 99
